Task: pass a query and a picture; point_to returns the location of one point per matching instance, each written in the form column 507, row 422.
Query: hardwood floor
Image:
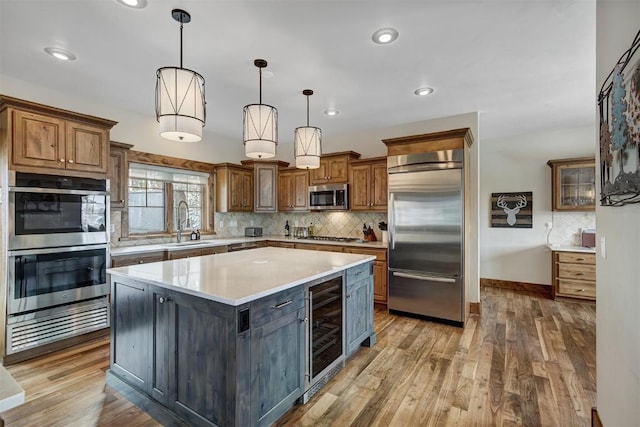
column 526, row 361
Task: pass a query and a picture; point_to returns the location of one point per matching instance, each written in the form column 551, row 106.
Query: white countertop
column 193, row 244
column 572, row 249
column 236, row 278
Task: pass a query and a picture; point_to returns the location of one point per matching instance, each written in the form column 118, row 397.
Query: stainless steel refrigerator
column 426, row 234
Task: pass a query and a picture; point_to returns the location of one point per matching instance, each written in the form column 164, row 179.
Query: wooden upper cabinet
column 265, row 183
column 293, row 190
column 368, row 180
column 334, row 168
column 573, row 184
column 50, row 140
column 234, row 188
column 119, row 174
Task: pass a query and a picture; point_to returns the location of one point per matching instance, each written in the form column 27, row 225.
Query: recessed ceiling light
column 385, row 35
column 423, row 91
column 61, row 54
column 331, row 112
column 136, row 4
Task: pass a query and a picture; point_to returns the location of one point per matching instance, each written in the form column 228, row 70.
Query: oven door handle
column 56, row 191
column 56, row 250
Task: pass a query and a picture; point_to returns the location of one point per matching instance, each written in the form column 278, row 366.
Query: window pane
column 189, row 216
column 146, row 220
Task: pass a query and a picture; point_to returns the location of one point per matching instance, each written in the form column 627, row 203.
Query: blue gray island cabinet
column 224, row 340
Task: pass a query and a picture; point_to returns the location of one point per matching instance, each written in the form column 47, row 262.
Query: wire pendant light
column 180, row 100
column 307, row 142
column 260, row 133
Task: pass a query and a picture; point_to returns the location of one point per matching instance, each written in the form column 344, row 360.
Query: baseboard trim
column 595, row 418
column 537, row 288
column 475, row 308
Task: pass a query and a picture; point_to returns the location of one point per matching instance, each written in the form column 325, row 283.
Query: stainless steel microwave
column 329, row 197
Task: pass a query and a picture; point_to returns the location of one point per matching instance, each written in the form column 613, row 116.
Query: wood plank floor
column 526, row 361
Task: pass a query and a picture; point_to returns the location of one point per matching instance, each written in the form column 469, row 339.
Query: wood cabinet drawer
column 214, row 250
column 357, row 273
column 124, row 260
column 316, row 247
column 577, row 258
column 275, row 306
column 578, row 288
column 380, row 254
column 577, row 271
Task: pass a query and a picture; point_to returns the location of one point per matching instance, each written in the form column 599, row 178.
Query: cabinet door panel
column 247, row 191
column 38, row 140
column 300, row 190
column 359, row 306
column 321, row 174
column 285, row 191
column 380, row 281
column 360, row 187
column 277, row 367
column 339, row 169
column 265, row 192
column 162, row 387
column 379, row 186
column 86, row 148
column 131, row 324
column 235, row 191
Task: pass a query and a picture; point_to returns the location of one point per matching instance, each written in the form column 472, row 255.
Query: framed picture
column 512, row 210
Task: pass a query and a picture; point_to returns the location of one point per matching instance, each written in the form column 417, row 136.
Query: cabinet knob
column 579, row 259
column 579, row 274
column 162, row 300
column 580, row 290
column 61, row 160
column 70, row 161
column 140, row 262
column 305, row 320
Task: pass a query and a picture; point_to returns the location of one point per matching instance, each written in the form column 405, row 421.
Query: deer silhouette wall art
column 512, row 210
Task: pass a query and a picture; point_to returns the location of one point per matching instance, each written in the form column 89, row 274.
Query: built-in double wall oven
column 58, row 241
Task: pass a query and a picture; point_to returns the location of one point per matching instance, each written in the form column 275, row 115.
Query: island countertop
column 236, row 278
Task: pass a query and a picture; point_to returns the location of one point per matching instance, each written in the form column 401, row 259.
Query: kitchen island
column 225, row 339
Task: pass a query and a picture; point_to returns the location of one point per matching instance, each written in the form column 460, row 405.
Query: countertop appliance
column 426, row 230
column 253, row 231
column 329, row 197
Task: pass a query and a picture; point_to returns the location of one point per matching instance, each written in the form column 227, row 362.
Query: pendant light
column 260, row 134
column 180, row 102
column 307, row 142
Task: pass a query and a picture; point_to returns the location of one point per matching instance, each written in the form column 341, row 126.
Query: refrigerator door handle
column 392, row 221
column 425, row 278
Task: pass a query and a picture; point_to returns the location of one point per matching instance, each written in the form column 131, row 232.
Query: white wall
column 515, row 164
column 618, row 275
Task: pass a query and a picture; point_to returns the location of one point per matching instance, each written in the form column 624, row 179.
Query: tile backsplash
column 336, row 224
column 567, row 227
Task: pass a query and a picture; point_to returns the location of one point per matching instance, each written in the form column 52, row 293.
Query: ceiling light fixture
column 180, row 101
column 385, row 35
column 136, row 4
column 61, row 54
column 260, row 134
column 423, row 91
column 308, row 142
column 331, row 112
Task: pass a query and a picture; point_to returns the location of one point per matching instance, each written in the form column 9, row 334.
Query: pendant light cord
column 260, row 71
column 181, row 43
column 307, row 110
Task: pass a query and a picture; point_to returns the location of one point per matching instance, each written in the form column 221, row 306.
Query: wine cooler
column 325, row 333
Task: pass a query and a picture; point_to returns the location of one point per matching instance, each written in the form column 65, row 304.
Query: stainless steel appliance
column 50, row 211
column 426, row 230
column 41, row 278
column 329, row 197
column 58, row 243
column 324, row 346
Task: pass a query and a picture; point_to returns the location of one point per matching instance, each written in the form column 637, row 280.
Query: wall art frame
column 619, row 108
column 512, row 210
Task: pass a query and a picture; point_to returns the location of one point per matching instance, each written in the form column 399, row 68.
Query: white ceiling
column 526, row 66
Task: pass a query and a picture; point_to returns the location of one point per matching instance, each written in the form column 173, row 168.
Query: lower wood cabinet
column 574, row 274
column 131, row 259
column 380, row 278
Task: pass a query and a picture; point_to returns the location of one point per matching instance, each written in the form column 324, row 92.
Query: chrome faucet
column 181, row 221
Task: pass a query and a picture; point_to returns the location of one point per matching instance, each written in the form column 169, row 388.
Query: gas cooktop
column 332, row 239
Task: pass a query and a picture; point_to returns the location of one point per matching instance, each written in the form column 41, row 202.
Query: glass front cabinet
column 573, row 184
